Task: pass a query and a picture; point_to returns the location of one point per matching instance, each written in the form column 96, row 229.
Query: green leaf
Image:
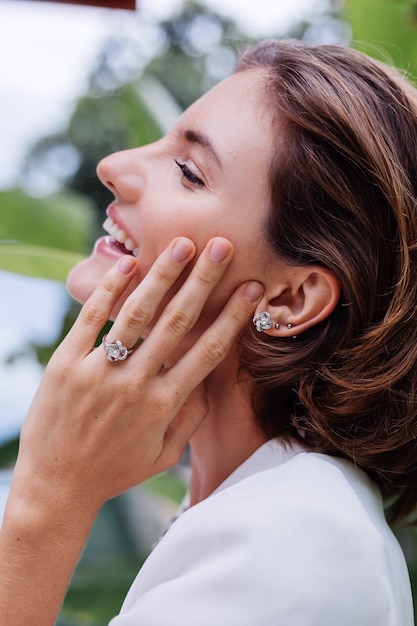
column 64, row 220
column 38, row 261
column 168, row 484
column 8, row 453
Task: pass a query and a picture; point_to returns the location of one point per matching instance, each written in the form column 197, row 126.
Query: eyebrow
column 194, row 136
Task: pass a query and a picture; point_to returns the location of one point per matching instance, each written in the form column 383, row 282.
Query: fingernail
column 126, row 264
column 181, row 251
column 219, row 250
column 253, row 291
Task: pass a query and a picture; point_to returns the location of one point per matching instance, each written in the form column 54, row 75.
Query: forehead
column 235, row 115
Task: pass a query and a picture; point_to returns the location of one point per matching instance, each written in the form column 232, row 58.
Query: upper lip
column 115, row 226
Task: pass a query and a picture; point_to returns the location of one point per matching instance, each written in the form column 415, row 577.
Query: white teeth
column 120, row 235
column 129, row 244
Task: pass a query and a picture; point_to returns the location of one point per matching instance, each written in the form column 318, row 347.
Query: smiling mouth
column 119, row 238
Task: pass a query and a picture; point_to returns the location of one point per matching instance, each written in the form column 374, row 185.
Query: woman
column 273, row 276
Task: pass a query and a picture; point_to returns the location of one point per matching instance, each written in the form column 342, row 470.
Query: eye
column 189, row 175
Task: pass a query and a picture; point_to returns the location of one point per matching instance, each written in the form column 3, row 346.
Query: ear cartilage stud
column 277, row 325
column 289, row 325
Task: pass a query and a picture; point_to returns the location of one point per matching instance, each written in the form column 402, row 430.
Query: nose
column 123, row 174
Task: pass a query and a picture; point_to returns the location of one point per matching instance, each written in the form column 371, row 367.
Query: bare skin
column 66, row 468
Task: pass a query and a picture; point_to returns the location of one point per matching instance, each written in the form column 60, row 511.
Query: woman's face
column 207, row 177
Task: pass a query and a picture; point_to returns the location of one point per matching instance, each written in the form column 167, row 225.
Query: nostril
column 110, row 185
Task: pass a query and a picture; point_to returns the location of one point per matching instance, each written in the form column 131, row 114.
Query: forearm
column 40, row 544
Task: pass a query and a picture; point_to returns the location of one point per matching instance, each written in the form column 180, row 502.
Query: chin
column 85, row 276
column 88, row 274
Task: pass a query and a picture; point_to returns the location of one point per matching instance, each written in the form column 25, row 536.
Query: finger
column 140, row 307
column 97, row 309
column 216, row 342
column 186, row 421
column 184, row 309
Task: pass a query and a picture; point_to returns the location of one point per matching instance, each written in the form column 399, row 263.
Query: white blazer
column 291, row 538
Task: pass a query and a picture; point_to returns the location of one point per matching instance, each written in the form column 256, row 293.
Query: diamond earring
column 262, row 321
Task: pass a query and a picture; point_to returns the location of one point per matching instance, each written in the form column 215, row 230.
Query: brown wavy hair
column 343, row 185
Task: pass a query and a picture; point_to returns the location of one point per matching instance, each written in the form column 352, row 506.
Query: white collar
column 271, row 454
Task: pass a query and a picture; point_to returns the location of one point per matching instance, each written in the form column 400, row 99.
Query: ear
column 300, row 300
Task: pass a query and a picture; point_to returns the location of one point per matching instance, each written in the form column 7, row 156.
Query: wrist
column 40, row 547
column 42, row 511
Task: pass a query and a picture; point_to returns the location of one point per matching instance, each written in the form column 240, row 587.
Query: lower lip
column 105, row 247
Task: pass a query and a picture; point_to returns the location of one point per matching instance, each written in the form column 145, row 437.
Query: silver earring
column 277, row 325
column 262, row 321
column 290, row 326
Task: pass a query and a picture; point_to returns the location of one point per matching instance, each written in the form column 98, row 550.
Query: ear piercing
column 263, row 322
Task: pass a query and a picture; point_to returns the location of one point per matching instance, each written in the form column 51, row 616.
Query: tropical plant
column 45, row 237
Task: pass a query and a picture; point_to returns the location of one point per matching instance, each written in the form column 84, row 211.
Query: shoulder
column 307, row 487
column 311, row 501
column 304, row 542
column 322, row 516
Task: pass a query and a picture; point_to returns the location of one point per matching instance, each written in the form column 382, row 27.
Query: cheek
column 190, row 215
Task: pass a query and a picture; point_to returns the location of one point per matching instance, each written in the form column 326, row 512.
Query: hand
column 97, row 428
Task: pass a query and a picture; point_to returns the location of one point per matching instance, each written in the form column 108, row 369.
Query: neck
column 229, row 433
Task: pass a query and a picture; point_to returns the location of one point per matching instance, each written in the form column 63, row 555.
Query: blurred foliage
column 167, row 485
column 108, row 566
column 63, row 219
column 8, row 453
column 200, row 50
column 29, row 226
column 384, row 28
column 37, row 261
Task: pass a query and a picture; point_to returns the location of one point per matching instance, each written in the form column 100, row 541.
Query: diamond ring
column 116, row 351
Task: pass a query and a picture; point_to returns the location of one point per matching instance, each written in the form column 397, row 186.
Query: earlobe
column 308, row 297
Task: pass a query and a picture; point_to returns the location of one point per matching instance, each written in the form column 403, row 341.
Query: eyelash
column 188, row 174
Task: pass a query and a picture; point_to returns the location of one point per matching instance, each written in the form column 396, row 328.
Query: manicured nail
column 181, row 251
column 126, row 264
column 252, row 291
column 219, row 250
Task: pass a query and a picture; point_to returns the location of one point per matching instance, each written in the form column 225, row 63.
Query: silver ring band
column 116, row 351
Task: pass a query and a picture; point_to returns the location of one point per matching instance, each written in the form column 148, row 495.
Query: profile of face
column 208, row 177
